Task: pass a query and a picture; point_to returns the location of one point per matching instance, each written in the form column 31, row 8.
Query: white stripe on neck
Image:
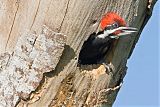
column 105, row 34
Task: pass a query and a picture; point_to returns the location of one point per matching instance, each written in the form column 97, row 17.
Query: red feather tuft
column 110, row 18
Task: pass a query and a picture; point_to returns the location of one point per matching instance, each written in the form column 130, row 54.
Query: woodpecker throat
column 98, row 44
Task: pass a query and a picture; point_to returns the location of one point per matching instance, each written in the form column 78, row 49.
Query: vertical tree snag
column 38, row 64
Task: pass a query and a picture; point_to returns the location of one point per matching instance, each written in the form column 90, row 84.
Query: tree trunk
column 38, row 70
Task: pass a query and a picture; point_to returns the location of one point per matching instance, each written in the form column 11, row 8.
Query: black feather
column 94, row 49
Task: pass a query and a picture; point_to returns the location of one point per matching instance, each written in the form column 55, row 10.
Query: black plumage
column 94, row 49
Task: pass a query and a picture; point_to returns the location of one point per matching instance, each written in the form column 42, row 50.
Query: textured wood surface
column 69, row 85
column 22, row 71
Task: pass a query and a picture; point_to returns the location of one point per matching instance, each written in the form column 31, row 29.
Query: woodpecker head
column 114, row 26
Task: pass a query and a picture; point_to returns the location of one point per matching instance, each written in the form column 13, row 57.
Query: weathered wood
column 69, row 85
column 21, row 72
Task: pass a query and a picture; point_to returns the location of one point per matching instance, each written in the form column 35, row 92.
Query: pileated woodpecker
column 98, row 44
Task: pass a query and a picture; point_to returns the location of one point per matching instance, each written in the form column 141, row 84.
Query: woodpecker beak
column 123, row 31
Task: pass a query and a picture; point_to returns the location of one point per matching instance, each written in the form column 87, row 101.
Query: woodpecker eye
column 115, row 25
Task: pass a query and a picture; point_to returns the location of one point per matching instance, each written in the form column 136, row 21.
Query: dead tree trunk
column 40, row 70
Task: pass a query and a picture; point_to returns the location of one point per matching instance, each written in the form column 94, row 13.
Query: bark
column 36, row 71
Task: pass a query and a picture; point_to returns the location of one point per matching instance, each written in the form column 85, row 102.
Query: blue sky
column 141, row 84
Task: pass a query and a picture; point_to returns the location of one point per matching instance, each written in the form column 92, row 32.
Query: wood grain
column 69, row 85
